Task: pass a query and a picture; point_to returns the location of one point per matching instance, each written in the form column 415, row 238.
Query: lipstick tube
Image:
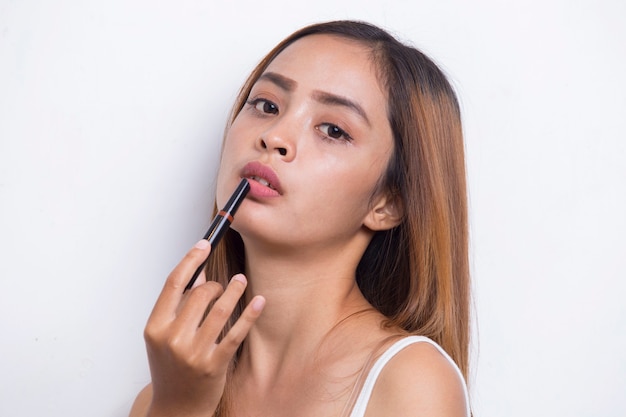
column 220, row 224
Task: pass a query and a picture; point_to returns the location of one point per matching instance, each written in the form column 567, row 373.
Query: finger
column 194, row 307
column 235, row 336
column 172, row 292
column 200, row 280
column 223, row 308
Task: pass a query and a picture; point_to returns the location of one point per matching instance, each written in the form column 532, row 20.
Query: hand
column 187, row 365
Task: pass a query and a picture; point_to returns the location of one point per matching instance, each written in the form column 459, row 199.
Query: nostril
column 282, row 151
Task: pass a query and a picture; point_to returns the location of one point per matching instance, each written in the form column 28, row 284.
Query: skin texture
column 308, row 329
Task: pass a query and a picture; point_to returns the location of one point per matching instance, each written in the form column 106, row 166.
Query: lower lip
column 258, row 190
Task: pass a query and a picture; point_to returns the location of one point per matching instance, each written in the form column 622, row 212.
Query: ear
column 386, row 213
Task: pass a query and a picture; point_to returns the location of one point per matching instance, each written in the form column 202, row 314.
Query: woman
column 352, row 238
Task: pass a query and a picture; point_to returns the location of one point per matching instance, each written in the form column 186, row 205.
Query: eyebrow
column 287, row 84
column 335, row 100
column 281, row 81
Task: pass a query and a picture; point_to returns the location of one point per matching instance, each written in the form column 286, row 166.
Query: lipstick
column 221, row 223
column 264, row 182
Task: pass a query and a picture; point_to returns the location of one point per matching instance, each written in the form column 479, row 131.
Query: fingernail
column 240, row 278
column 202, row 244
column 258, row 303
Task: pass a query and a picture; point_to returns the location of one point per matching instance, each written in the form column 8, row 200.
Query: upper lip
column 257, row 169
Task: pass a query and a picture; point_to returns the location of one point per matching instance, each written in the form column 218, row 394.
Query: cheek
column 343, row 192
column 235, row 136
column 229, row 149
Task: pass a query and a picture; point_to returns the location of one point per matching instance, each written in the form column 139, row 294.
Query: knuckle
column 149, row 336
column 152, row 334
column 173, row 283
column 220, row 312
column 199, row 363
column 174, row 343
column 248, row 318
column 233, row 339
column 208, row 290
column 163, row 338
column 175, row 279
column 216, row 286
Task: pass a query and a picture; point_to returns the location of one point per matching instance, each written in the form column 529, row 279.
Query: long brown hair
column 416, row 274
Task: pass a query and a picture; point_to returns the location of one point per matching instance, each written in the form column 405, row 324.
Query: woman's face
column 314, row 139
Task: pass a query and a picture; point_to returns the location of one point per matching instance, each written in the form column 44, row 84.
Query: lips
column 264, row 181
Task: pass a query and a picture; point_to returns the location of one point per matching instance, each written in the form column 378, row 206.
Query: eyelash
column 337, row 130
column 254, row 103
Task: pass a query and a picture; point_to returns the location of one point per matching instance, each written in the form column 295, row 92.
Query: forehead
column 334, row 64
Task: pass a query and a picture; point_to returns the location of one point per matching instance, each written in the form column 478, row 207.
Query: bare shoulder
column 142, row 402
column 418, row 381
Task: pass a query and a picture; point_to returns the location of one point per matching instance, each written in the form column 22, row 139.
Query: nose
column 282, row 150
column 275, row 140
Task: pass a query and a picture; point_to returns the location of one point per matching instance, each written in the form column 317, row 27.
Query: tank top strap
column 364, row 396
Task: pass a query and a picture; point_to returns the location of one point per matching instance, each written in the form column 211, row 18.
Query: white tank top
column 368, row 386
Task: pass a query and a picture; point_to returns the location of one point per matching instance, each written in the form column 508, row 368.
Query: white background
column 111, row 115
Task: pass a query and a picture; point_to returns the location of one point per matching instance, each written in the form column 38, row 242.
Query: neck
column 308, row 292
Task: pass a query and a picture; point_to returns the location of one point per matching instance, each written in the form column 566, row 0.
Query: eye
column 334, row 131
column 264, row 106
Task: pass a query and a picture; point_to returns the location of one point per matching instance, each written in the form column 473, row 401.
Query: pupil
column 269, row 108
column 335, row 132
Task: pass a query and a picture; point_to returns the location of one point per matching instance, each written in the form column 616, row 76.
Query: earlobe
column 385, row 214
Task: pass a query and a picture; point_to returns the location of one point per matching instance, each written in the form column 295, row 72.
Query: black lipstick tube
column 221, row 223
